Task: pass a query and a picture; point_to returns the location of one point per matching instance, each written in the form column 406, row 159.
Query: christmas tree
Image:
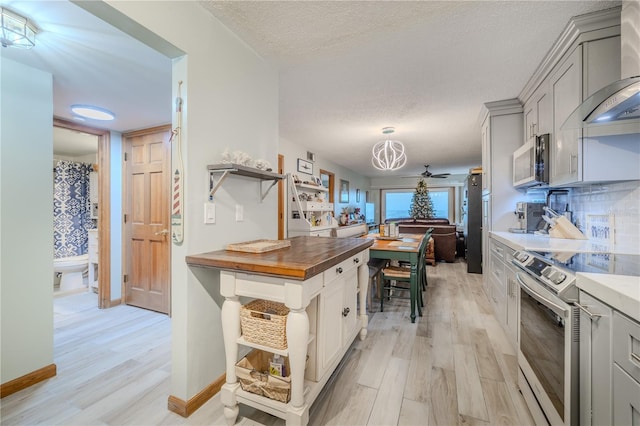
column 421, row 205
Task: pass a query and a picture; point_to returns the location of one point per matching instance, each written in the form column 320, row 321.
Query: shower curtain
column 71, row 214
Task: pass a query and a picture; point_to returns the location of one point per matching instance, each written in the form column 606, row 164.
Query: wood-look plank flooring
column 454, row 366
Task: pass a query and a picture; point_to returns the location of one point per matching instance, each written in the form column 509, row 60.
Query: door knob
column 163, row 232
column 345, row 312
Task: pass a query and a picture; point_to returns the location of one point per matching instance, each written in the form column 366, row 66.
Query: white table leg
column 230, row 316
column 297, row 338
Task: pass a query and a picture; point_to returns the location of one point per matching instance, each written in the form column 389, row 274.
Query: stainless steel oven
column 548, row 355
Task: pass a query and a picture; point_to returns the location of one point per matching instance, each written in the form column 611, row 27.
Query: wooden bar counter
column 320, row 280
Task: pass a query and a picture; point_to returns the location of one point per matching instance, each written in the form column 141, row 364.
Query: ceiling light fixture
column 93, row 112
column 16, row 30
column 388, row 154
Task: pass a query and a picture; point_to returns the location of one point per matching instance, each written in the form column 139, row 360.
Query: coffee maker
column 529, row 216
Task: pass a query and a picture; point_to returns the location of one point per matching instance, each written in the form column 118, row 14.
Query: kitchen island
column 321, row 281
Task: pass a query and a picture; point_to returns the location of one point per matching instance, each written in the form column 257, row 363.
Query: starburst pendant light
column 388, row 154
column 16, row 30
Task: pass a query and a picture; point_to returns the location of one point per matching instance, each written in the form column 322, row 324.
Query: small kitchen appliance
column 529, row 217
column 531, row 163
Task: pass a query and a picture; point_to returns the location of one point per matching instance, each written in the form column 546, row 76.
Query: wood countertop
column 307, row 257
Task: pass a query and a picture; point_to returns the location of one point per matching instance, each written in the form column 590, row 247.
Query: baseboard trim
column 187, row 408
column 27, row 380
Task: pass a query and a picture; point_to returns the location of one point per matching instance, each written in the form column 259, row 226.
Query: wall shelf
column 226, row 169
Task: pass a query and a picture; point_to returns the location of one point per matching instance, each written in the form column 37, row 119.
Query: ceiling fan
column 427, row 174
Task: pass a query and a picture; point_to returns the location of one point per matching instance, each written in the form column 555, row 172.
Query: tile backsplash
column 622, row 200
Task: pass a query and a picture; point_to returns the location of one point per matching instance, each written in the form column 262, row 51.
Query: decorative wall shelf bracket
column 227, row 169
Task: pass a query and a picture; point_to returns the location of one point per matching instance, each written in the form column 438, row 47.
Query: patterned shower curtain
column 71, row 214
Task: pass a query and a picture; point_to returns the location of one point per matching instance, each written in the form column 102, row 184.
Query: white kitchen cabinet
column 513, row 305
column 504, row 296
column 537, row 113
column 309, row 211
column 626, row 370
column 486, row 156
column 337, row 320
column 501, row 135
column 595, row 361
column 566, row 93
column 577, row 158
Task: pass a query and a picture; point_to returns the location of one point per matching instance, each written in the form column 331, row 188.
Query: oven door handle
column 559, row 310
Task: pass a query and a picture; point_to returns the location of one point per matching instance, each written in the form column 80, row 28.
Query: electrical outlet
column 239, row 213
column 209, row 213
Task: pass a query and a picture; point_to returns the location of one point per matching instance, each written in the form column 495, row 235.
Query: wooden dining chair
column 397, row 279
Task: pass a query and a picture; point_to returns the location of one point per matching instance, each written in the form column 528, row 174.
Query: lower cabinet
column 337, row 317
column 504, row 294
column 595, row 361
column 626, row 370
column 609, row 365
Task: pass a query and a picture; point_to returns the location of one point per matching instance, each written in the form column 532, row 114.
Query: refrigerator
column 472, row 220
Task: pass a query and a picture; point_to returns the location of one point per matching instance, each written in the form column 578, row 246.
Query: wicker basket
column 264, row 322
column 253, row 375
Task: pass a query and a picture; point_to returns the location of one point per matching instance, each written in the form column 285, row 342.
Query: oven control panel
column 559, row 280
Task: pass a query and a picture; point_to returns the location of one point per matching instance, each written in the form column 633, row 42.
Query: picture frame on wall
column 357, row 195
column 344, row 191
column 305, row 166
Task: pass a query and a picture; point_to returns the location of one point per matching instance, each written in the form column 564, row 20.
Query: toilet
column 71, row 269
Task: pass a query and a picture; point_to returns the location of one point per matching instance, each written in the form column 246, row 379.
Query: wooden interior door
column 147, row 210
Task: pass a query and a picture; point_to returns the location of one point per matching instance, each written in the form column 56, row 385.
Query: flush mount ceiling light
column 17, row 31
column 93, row 112
column 388, row 154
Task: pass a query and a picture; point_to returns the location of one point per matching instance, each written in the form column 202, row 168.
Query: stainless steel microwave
column 531, row 163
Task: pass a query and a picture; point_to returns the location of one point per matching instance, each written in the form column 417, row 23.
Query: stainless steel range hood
column 616, row 102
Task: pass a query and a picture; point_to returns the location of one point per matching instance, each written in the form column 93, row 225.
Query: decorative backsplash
column 622, row 200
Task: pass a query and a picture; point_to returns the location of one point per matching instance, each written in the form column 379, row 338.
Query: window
column 396, row 203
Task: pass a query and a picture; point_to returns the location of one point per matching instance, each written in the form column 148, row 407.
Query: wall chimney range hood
column 616, row 102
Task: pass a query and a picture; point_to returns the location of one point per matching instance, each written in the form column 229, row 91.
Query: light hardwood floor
column 453, row 366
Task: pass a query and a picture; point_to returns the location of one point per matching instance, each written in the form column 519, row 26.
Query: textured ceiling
column 350, row 68
column 347, row 69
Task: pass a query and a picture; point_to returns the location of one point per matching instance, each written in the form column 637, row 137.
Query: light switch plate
column 239, row 213
column 209, row 213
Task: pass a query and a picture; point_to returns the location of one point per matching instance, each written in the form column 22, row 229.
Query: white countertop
column 621, row 292
column 545, row 243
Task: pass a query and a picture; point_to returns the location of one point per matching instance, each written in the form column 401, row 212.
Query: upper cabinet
column 537, row 113
column 566, row 95
column 585, row 59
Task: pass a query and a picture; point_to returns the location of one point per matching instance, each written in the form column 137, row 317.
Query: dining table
column 404, row 247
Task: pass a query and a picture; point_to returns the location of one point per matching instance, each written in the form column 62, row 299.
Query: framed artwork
column 357, row 195
column 305, row 166
column 600, row 228
column 344, row 191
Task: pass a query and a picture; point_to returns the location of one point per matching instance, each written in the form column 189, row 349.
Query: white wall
column 294, row 150
column 230, row 101
column 26, row 218
column 115, row 198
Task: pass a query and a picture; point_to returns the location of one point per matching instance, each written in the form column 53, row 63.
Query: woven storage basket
column 253, row 375
column 264, row 322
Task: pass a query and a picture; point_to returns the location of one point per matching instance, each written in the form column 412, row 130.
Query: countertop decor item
column 259, row 246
